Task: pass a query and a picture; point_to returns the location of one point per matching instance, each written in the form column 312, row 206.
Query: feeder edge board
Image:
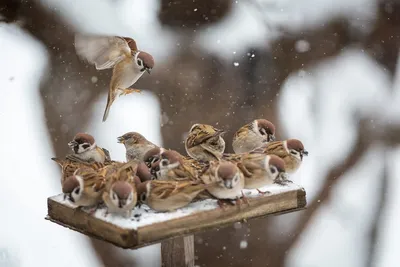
column 81, row 221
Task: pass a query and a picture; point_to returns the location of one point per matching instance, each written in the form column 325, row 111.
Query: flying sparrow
column 120, row 191
column 85, row 149
column 226, row 180
column 136, row 145
column 253, row 135
column 169, row 195
column 205, row 143
column 119, row 53
column 84, row 187
column 291, row 151
column 260, row 170
column 173, row 167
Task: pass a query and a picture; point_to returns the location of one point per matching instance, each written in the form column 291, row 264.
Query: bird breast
column 126, row 73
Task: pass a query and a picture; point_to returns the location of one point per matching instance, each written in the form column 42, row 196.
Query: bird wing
column 102, row 51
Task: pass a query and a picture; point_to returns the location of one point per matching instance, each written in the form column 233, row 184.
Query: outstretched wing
column 102, row 51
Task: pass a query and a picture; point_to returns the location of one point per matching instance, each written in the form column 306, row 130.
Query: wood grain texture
column 178, row 251
column 81, row 221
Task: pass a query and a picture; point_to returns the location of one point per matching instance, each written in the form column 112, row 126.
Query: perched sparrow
column 172, row 167
column 253, row 135
column 119, row 53
column 152, row 156
column 205, row 143
column 291, row 151
column 85, row 149
column 168, row 195
column 136, row 145
column 84, row 187
column 226, row 179
column 120, row 191
column 260, row 170
column 143, row 172
column 68, row 167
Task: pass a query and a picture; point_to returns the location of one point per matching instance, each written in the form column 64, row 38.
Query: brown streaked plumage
column 291, row 151
column 173, row 167
column 84, row 187
column 169, row 195
column 261, row 170
column 85, row 149
column 68, row 167
column 119, row 53
column 136, row 145
column 226, row 180
column 253, row 135
column 120, row 194
column 205, row 143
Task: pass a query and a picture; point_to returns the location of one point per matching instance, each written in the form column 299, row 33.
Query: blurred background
column 322, row 71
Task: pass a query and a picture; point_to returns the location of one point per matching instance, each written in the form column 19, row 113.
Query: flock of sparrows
column 165, row 180
column 119, row 53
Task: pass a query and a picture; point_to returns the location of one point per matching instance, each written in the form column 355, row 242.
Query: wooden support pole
column 178, row 252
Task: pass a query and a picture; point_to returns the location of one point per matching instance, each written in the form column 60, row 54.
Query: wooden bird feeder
column 174, row 229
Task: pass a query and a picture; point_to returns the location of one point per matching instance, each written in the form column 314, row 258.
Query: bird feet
column 128, row 91
column 263, row 193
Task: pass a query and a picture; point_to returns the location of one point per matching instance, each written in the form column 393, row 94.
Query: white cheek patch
column 266, row 162
column 172, row 166
column 285, row 146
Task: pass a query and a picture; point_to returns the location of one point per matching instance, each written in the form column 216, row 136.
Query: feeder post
column 178, row 252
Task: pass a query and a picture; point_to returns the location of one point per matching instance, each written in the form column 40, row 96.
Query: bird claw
column 263, row 193
column 130, row 91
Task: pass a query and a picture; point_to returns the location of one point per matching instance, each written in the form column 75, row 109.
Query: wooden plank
column 178, row 251
column 124, row 235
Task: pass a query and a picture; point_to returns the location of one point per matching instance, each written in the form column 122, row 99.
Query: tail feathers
column 58, row 161
column 110, row 100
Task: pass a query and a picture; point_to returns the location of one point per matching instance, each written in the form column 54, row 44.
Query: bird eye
column 85, row 146
column 272, row 169
column 114, row 196
column 143, row 197
column 294, row 152
column 139, row 62
column 76, row 191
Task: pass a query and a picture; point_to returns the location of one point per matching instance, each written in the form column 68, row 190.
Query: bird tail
column 58, row 161
column 110, row 100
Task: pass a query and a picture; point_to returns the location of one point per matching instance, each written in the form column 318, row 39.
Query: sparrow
column 84, row 187
column 143, row 172
column 173, row 167
column 291, row 151
column 205, row 143
column 136, row 145
column 68, row 167
column 119, row 53
column 169, row 195
column 152, row 156
column 119, row 193
column 226, row 179
column 85, row 149
column 253, row 135
column 260, row 170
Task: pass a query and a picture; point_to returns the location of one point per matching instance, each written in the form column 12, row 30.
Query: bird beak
column 228, row 184
column 148, row 70
column 72, row 144
column 271, row 138
column 305, row 153
column 220, row 132
column 121, row 140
